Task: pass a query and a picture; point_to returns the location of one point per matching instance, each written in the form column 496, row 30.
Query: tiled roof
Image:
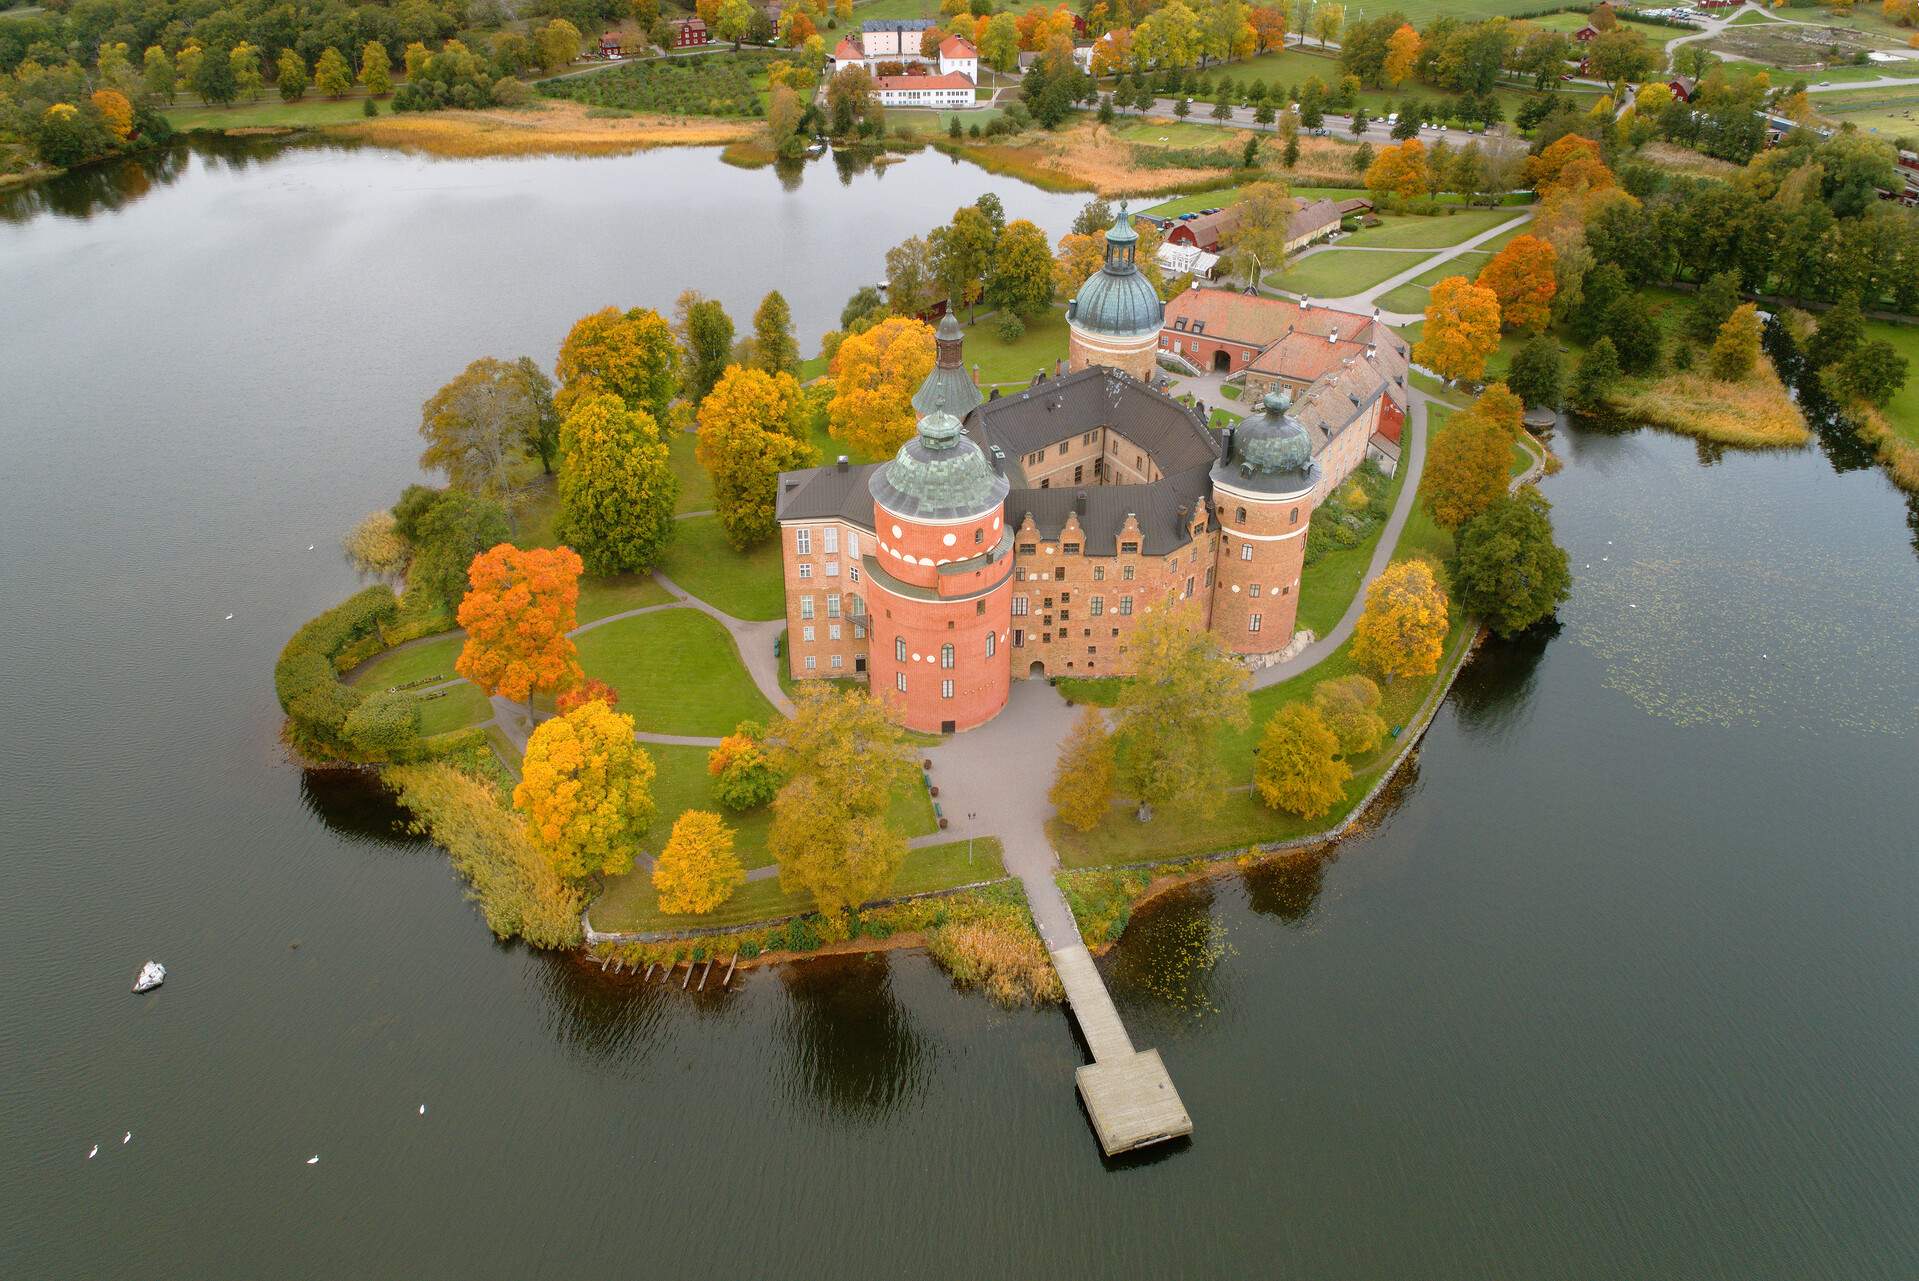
column 847, row 51
column 954, row 81
column 955, row 47
column 1313, row 218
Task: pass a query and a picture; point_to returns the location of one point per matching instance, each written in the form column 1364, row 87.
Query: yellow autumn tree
column 1402, row 630
column 1349, row 705
column 1466, row 468
column 1402, row 55
column 751, row 430
column 1461, row 331
column 587, row 789
column 1296, row 767
column 1522, row 278
column 1399, row 170
column 1083, row 782
column 874, row 377
column 1571, row 164
column 698, row 870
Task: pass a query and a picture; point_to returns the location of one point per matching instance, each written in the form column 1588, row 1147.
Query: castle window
column 832, row 569
column 1252, row 622
column 806, row 606
column 1066, row 615
column 946, row 689
column 1129, row 548
column 836, row 662
column 979, row 536
column 1189, row 588
column 811, row 662
column 852, row 544
column 1046, row 482
column 833, row 605
column 1245, row 551
column 806, row 570
column 803, row 541
column 1239, row 515
column 1097, row 606
column 1253, row 591
column 1070, row 549
column 1295, row 516
column 899, row 649
column 1126, row 573
column 832, row 631
column 859, row 631
column 1099, row 573
column 830, row 540
column 855, row 606
column 1019, row 607
column 946, row 656
column 1125, row 605
column 806, row 634
column 992, row 644
column 1062, row 449
column 1180, row 324
column 899, row 681
column 1209, row 578
column 979, row 608
column 1079, row 473
column 1019, row 637
column 852, row 573
column 1059, row 573
column 1027, row 549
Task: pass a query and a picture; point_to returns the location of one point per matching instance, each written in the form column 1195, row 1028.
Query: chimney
column 1079, row 504
column 1333, row 337
column 1370, row 349
column 1185, row 516
column 1306, row 302
column 844, row 464
column 998, row 456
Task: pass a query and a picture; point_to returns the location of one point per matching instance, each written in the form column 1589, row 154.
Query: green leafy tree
column 1873, row 372
column 476, row 426
column 617, row 489
column 211, row 78
column 1020, row 280
column 1537, row 374
column 706, row 332
column 1349, row 705
column 559, row 43
column 541, row 433
column 962, row 251
column 157, row 74
column 1186, row 688
column 1466, row 469
column 1634, row 331
column 376, row 69
column 331, row 75
column 292, row 80
column 1297, row 767
column 842, row 759
column 1598, row 371
column 1713, row 306
column 774, row 348
column 1736, row 350
column 446, row 529
column 1506, row 568
column 248, row 81
column 1841, row 329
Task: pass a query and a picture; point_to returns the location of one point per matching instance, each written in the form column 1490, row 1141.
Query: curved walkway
column 1364, row 298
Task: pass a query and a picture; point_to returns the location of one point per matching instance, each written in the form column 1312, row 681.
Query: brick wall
column 1262, row 548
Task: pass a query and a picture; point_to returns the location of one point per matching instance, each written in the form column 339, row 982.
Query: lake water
column 1624, row 983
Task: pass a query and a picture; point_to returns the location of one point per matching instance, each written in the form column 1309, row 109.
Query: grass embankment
column 677, row 672
column 983, row 937
column 696, row 485
column 746, row 585
column 605, row 597
column 1088, row 156
column 538, row 129
column 1242, row 820
column 1331, row 579
column 269, row 114
column 1756, row 412
column 629, row 905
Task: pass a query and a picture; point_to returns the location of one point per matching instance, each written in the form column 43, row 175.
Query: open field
column 1012, row 365
column 1893, row 112
column 269, row 114
column 1328, row 585
column 1413, row 295
column 746, row 585
column 677, row 672
column 696, row 487
column 426, row 660
column 1903, row 410
column 604, row 597
column 1335, row 273
column 1220, row 197
column 541, row 128
column 454, row 708
column 1414, row 231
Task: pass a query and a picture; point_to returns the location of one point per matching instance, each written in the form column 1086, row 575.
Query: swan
column 423, row 1109
column 128, row 1139
column 229, row 618
column 314, row 1159
column 92, row 1151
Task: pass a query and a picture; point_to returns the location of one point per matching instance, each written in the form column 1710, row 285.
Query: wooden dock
column 1127, row 1092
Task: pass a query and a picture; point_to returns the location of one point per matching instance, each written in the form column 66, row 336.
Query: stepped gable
column 1164, row 510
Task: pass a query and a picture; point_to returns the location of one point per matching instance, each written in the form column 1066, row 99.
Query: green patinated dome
column 939, row 474
column 1117, row 299
column 1270, row 450
column 948, row 379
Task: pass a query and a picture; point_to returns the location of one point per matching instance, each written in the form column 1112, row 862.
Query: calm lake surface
column 1626, row 983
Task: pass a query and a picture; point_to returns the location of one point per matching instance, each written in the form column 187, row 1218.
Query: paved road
column 1362, row 302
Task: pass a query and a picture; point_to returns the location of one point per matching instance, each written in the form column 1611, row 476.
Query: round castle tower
column 1263, row 490
column 941, row 598
column 1115, row 318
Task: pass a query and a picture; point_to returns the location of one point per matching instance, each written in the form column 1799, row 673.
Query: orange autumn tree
column 1269, row 27
column 874, row 377
column 1521, row 277
column 115, row 111
column 517, row 614
column 1399, row 170
column 1402, row 55
column 1571, row 164
column 1462, row 329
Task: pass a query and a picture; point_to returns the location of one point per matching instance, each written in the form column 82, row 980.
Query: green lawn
column 1412, row 231
column 629, row 902
column 1012, row 365
column 696, row 487
column 269, row 114
column 1893, row 112
column 1903, row 410
column 746, row 585
column 430, row 659
column 677, row 672
column 604, row 597
column 1328, row 585
column 1412, row 296
column 1335, row 273
column 456, row 707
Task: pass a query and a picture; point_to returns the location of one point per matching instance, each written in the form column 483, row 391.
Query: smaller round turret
column 1115, row 318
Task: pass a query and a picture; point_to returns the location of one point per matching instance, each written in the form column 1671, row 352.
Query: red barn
column 688, row 32
column 610, row 46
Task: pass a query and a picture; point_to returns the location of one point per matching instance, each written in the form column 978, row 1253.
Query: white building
column 923, row 91
column 959, row 58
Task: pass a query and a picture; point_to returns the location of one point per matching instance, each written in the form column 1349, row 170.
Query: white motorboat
column 151, row 975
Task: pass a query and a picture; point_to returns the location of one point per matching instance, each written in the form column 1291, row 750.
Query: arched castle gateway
column 1029, row 534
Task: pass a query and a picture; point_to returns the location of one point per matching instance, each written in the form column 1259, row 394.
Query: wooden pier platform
column 1127, row 1092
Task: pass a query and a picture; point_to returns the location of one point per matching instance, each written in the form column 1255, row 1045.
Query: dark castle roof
column 827, row 493
column 1164, row 510
column 1050, row 411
